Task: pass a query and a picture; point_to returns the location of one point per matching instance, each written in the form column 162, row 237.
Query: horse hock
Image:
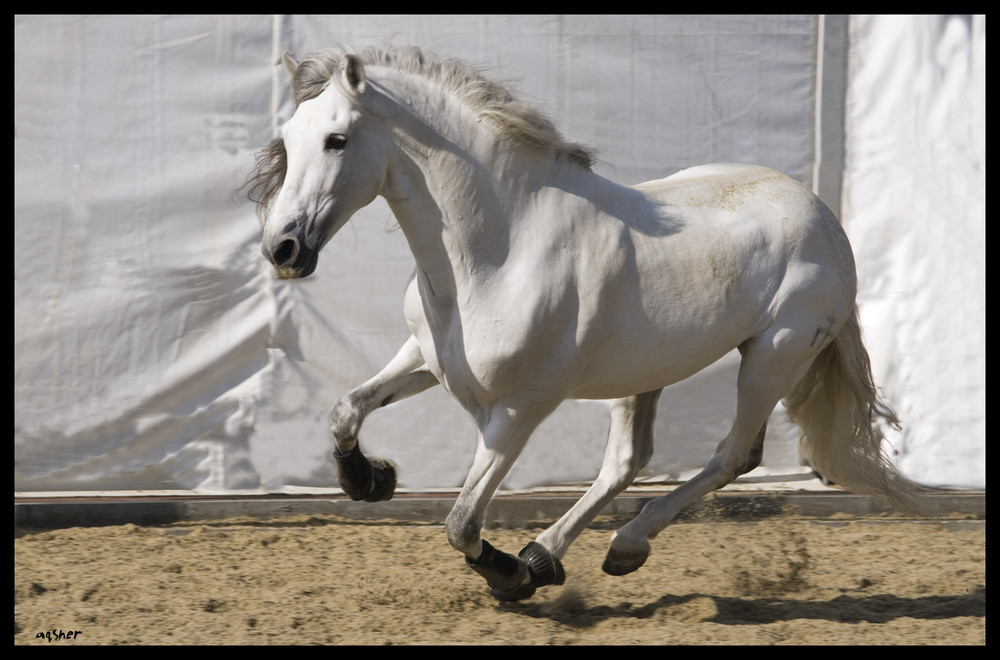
column 371, row 480
column 516, row 578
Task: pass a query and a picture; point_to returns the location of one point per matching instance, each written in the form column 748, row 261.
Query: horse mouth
column 293, row 272
column 284, row 273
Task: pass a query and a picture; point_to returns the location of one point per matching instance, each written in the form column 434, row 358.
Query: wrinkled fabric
column 154, row 350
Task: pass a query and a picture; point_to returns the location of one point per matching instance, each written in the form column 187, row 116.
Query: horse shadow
column 875, row 608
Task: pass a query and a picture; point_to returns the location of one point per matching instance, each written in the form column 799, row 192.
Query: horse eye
column 334, row 142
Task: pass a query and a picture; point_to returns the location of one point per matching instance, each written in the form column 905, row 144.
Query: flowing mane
column 515, row 121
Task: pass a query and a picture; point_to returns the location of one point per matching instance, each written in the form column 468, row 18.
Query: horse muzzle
column 291, row 259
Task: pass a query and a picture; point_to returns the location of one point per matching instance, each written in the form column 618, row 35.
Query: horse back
column 747, row 248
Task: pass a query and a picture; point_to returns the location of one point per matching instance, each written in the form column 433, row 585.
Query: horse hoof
column 623, row 562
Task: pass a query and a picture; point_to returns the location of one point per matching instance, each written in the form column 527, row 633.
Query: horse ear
column 354, row 73
column 289, row 62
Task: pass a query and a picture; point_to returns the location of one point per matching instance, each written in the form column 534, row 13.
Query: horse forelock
column 514, row 120
column 267, row 176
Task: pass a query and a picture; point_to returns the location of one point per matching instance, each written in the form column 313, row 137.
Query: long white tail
column 837, row 407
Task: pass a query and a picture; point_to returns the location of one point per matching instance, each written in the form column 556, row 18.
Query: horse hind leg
column 770, row 366
column 361, row 477
column 629, row 448
column 756, row 452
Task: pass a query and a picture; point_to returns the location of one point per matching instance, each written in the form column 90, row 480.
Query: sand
column 326, row 580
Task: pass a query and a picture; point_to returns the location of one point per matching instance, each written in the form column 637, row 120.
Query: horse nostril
column 285, row 252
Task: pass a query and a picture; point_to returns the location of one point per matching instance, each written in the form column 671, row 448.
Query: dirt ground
column 324, row 580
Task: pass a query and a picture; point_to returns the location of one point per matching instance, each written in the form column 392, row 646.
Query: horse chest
column 494, row 342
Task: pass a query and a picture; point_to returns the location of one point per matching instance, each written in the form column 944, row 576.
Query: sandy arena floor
column 325, row 580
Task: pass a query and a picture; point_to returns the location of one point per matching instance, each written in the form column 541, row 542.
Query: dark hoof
column 623, row 563
column 362, row 479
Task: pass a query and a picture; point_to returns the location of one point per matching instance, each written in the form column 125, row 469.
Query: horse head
column 333, row 165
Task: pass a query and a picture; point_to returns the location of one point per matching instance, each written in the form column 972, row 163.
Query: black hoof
column 362, row 479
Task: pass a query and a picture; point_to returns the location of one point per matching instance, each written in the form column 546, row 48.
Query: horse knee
column 345, row 421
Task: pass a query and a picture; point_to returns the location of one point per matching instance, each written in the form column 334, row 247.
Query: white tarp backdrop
column 154, row 350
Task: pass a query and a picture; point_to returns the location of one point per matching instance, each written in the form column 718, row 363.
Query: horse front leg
column 374, row 479
column 501, row 440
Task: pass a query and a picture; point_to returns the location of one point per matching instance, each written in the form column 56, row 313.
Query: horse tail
column 837, row 407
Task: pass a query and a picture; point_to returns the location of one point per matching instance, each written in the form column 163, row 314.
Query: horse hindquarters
column 772, row 363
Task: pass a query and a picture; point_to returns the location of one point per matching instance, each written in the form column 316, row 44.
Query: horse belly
column 674, row 310
column 632, row 362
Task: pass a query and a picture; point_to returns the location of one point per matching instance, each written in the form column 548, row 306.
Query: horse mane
column 515, row 121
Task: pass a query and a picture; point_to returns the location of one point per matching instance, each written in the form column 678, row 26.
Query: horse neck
column 453, row 188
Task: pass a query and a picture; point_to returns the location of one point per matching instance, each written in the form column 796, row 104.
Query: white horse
column 538, row 280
